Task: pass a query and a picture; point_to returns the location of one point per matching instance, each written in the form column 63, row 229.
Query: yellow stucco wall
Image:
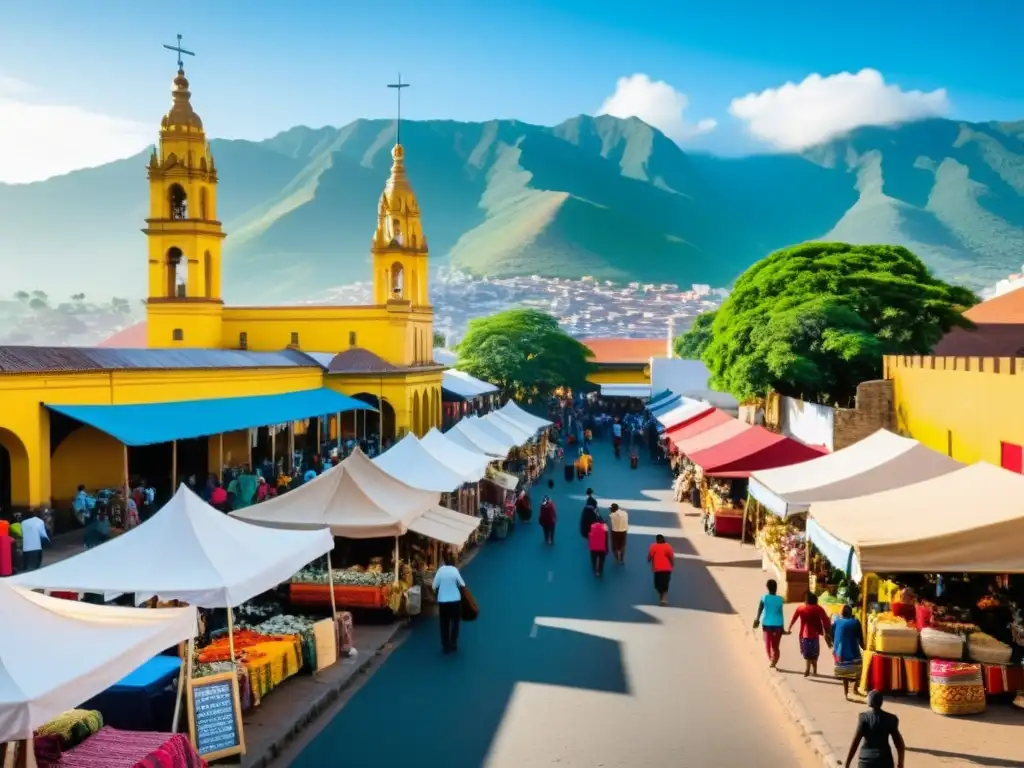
column 25, row 423
column 964, row 407
column 638, row 375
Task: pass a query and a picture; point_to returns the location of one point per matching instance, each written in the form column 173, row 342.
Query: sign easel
column 215, row 716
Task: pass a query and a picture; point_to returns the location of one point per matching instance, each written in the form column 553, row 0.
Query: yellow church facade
column 57, row 404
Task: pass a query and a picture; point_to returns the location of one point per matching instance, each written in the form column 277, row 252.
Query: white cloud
column 800, row 115
column 39, row 140
column 656, row 103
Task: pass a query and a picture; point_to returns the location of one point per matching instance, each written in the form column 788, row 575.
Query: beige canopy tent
column 355, row 499
column 359, row 500
column 877, row 463
column 967, row 521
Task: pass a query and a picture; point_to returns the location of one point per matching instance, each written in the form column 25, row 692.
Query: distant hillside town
column 585, row 307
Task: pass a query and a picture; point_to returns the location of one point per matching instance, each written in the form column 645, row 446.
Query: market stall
column 936, row 527
column 525, row 418
column 469, row 464
column 409, row 461
column 506, row 435
column 702, row 422
column 467, row 435
column 683, row 413
column 118, row 641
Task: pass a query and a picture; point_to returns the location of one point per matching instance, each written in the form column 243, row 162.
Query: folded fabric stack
column 937, row 644
column 987, row 650
column 176, row 752
column 73, row 727
column 956, row 688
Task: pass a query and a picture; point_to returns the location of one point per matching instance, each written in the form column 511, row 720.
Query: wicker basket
column 987, row 650
column 956, row 688
column 895, row 640
column 941, row 645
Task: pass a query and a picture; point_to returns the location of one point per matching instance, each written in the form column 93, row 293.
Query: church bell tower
column 184, row 306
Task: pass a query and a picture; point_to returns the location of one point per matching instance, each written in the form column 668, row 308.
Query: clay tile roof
column 132, row 337
column 625, row 350
column 985, row 340
column 1007, row 308
column 359, row 360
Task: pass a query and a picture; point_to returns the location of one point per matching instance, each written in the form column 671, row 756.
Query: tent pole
column 318, row 435
column 380, row 418
column 330, row 586
column 220, row 469
column 249, row 449
column 231, row 635
column 174, row 467
column 864, row 600
column 291, row 446
column 337, row 423
column 396, row 561
column 185, row 665
column 273, row 452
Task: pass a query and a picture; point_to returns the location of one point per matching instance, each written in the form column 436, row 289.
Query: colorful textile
column 916, row 674
column 176, row 752
column 882, row 672
column 810, row 648
column 111, row 748
column 272, row 662
column 847, row 670
column 1002, row 678
column 956, row 688
column 48, row 751
column 73, row 727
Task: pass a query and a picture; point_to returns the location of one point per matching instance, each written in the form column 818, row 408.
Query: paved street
column 565, row 669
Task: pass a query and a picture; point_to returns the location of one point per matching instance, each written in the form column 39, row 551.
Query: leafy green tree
column 439, row 340
column 21, row 295
column 524, row 352
column 691, row 345
column 814, row 320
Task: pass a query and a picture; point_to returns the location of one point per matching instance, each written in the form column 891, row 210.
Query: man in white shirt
column 446, row 585
column 33, row 531
column 620, row 525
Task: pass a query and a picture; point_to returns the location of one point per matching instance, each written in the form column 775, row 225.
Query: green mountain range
column 598, row 196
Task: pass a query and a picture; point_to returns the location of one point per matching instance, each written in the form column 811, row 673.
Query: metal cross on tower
column 398, row 125
column 179, row 50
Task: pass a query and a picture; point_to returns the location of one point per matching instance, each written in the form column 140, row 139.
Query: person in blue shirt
column 846, row 648
column 447, row 582
column 772, row 621
column 83, row 506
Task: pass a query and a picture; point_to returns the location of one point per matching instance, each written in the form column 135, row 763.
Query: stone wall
column 874, row 411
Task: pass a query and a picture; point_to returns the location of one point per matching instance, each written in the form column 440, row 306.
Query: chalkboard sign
column 215, row 716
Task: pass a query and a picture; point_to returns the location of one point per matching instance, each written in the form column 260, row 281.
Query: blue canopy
column 149, row 423
column 665, row 406
column 655, row 398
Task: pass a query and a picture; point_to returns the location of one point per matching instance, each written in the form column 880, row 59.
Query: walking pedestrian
column 663, row 561
column 447, row 583
column 581, row 466
column 589, row 516
column 524, row 507
column 598, row 541
column 847, row 644
column 770, row 607
column 547, row 519
column 875, row 728
column 620, row 526
column 33, row 532
column 813, row 624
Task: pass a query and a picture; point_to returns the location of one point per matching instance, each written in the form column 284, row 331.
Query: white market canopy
column 56, row 654
column 446, row 526
column 187, row 551
column 409, row 460
column 463, row 385
column 497, row 433
column 877, row 463
column 517, row 432
column 472, row 438
column 469, row 464
column 355, row 499
column 525, row 418
column 967, row 521
column 683, row 411
column 638, row 391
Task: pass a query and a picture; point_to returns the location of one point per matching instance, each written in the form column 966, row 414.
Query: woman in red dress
column 814, row 623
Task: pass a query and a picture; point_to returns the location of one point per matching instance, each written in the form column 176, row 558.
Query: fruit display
column 220, row 648
column 784, row 544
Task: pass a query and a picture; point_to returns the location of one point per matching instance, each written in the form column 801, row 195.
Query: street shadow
column 971, row 759
column 733, row 564
column 653, row 519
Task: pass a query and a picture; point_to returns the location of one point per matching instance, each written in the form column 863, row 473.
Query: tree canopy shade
column 814, row 320
column 523, row 351
column 691, row 345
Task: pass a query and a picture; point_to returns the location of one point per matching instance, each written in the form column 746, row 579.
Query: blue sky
column 263, row 67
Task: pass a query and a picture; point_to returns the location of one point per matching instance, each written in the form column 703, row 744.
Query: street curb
column 318, row 705
column 798, row 713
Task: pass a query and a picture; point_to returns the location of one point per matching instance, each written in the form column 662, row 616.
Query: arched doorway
column 435, row 408
column 368, row 423
column 14, row 475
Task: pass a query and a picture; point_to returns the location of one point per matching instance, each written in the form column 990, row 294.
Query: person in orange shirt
column 662, row 560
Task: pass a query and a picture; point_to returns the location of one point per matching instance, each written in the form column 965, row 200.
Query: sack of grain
column 941, row 645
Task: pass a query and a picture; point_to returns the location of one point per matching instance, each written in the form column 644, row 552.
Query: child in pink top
column 598, row 541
